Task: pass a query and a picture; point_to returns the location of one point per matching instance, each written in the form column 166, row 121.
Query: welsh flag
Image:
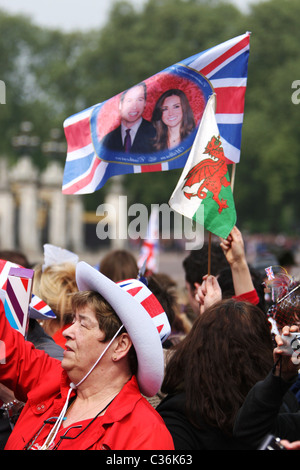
column 203, row 192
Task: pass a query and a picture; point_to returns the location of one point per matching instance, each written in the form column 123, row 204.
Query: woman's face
column 172, row 111
column 83, row 344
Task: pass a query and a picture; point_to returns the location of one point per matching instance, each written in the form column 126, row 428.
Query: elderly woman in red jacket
column 92, row 399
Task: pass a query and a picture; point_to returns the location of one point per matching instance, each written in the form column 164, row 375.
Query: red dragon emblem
column 211, row 173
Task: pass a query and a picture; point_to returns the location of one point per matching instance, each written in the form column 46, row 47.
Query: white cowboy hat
column 141, row 314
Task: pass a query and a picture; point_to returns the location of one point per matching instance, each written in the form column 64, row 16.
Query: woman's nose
column 68, row 332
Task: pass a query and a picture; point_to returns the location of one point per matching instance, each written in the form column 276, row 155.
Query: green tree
column 267, row 189
column 50, row 75
column 38, row 67
column 135, row 45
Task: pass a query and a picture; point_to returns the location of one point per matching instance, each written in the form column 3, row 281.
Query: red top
column 129, row 423
column 251, row 297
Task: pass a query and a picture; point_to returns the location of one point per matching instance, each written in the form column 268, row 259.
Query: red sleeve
column 21, row 365
column 250, row 296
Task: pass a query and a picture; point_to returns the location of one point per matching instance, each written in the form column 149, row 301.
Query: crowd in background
column 224, row 387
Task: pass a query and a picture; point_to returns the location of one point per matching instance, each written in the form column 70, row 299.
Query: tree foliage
column 50, row 75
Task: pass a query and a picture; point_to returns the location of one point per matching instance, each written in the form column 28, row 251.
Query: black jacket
column 143, row 142
column 186, row 436
column 264, row 412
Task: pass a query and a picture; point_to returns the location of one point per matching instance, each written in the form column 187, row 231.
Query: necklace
column 78, row 418
column 84, row 429
column 173, row 141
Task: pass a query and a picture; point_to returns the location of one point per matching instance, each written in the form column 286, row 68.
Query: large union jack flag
column 221, row 70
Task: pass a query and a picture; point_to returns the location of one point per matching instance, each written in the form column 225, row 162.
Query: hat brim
column 137, row 322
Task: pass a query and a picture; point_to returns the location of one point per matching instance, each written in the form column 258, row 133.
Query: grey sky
column 68, row 15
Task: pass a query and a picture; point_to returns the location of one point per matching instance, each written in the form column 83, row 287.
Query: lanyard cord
column 53, row 433
column 91, row 422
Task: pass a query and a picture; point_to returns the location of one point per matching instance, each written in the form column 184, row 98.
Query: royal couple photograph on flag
column 188, row 116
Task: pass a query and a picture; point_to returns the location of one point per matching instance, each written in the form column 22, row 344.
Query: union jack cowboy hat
column 141, row 314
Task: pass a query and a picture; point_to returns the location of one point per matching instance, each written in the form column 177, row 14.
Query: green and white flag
column 203, row 192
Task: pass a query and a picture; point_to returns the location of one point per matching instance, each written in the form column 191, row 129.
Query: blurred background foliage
column 50, row 75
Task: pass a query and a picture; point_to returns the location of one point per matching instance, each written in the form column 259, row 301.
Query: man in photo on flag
column 134, row 134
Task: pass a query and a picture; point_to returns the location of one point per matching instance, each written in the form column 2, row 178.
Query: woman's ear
column 121, row 347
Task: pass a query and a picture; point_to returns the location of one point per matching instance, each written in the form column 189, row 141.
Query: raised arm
column 234, row 251
column 21, row 366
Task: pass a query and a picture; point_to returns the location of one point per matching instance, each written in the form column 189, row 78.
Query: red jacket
column 130, row 422
column 250, row 296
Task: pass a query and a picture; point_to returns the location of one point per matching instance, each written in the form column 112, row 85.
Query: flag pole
column 209, row 233
column 209, row 254
column 232, row 179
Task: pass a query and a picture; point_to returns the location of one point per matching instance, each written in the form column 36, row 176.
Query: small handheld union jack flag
column 269, row 272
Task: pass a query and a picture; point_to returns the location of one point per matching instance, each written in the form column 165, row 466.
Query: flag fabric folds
column 203, row 192
column 17, row 298
column 220, row 70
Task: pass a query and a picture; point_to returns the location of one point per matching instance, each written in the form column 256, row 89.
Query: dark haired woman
column 172, row 118
column 227, row 351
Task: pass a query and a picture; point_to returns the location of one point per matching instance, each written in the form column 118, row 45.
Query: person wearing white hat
column 113, row 356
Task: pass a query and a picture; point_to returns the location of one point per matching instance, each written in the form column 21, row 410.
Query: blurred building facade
column 33, row 210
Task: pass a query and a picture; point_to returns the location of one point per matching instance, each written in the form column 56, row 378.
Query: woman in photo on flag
column 172, row 118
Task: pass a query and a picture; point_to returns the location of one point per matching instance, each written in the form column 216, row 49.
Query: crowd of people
column 128, row 364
